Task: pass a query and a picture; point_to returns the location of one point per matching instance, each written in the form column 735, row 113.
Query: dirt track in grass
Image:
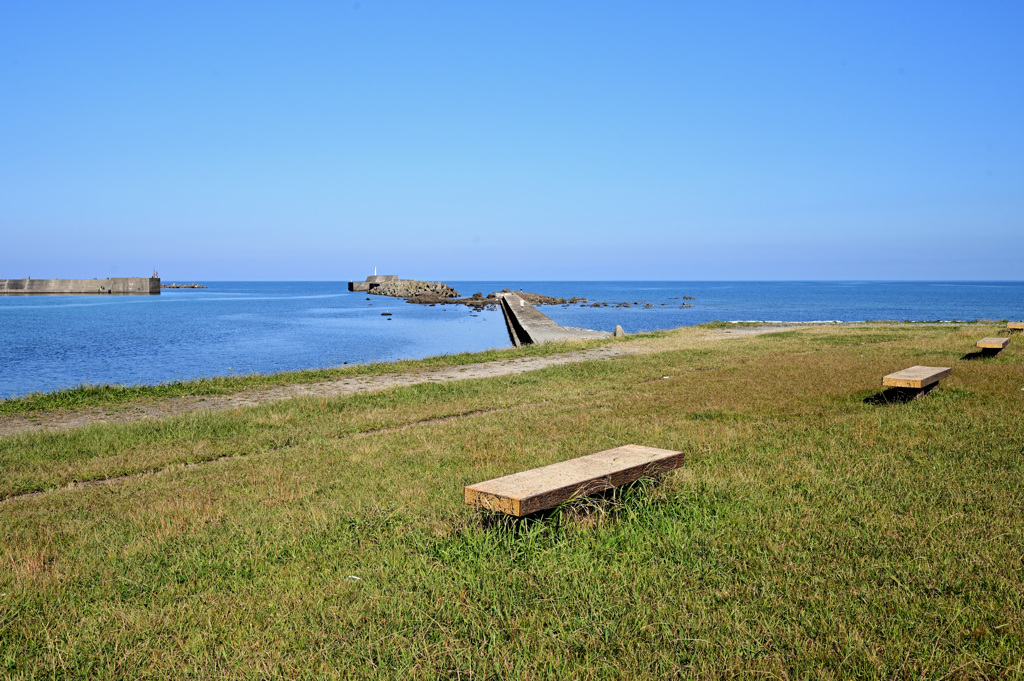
column 349, row 385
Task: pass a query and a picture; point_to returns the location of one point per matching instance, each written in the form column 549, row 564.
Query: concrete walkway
column 526, row 324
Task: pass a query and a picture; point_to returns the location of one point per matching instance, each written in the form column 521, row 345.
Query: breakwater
column 409, row 288
column 114, row 285
column 391, row 285
column 526, row 324
column 372, row 282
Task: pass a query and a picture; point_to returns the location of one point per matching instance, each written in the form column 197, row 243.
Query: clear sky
column 524, row 140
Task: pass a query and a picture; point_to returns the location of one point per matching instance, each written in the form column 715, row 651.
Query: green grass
column 810, row 534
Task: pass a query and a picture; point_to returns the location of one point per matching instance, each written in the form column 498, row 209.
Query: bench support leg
column 908, row 394
column 990, row 352
column 925, row 390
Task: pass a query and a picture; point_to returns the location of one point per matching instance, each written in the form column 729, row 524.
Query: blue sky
column 523, row 140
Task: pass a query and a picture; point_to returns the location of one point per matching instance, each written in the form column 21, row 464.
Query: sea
column 53, row 342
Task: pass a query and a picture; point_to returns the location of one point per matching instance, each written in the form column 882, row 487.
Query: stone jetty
column 391, row 285
column 526, row 324
column 113, row 285
column 410, row 288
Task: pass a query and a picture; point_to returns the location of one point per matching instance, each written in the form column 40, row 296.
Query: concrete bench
column 541, row 488
column 992, row 346
column 1015, row 326
column 917, row 380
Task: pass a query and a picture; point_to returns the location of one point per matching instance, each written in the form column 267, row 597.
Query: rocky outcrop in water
column 409, row 288
column 534, row 298
column 439, row 293
column 479, row 300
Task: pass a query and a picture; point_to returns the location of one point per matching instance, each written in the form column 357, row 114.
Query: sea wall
column 372, row 282
column 115, row 285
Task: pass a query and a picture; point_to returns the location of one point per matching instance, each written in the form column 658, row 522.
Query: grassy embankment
column 810, row 531
column 113, row 396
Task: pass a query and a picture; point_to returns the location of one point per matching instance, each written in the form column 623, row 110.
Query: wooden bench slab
column 993, row 343
column 541, row 488
column 1016, row 326
column 916, row 377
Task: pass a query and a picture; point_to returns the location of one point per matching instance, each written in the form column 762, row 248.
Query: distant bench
column 1015, row 326
column 917, row 380
column 541, row 488
column 992, row 346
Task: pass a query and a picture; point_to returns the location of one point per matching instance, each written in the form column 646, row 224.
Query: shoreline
column 148, row 407
column 119, row 404
column 266, row 328
column 221, row 383
column 218, row 383
column 78, row 407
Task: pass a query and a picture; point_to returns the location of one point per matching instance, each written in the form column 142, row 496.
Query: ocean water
column 52, row 342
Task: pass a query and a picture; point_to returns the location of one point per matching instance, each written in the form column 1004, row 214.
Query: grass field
column 813, row 532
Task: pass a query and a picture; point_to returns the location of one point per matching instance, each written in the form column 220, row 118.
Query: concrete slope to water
column 526, row 324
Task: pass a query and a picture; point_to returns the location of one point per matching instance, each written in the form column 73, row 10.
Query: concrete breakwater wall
column 526, row 324
column 372, row 282
column 115, row 285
